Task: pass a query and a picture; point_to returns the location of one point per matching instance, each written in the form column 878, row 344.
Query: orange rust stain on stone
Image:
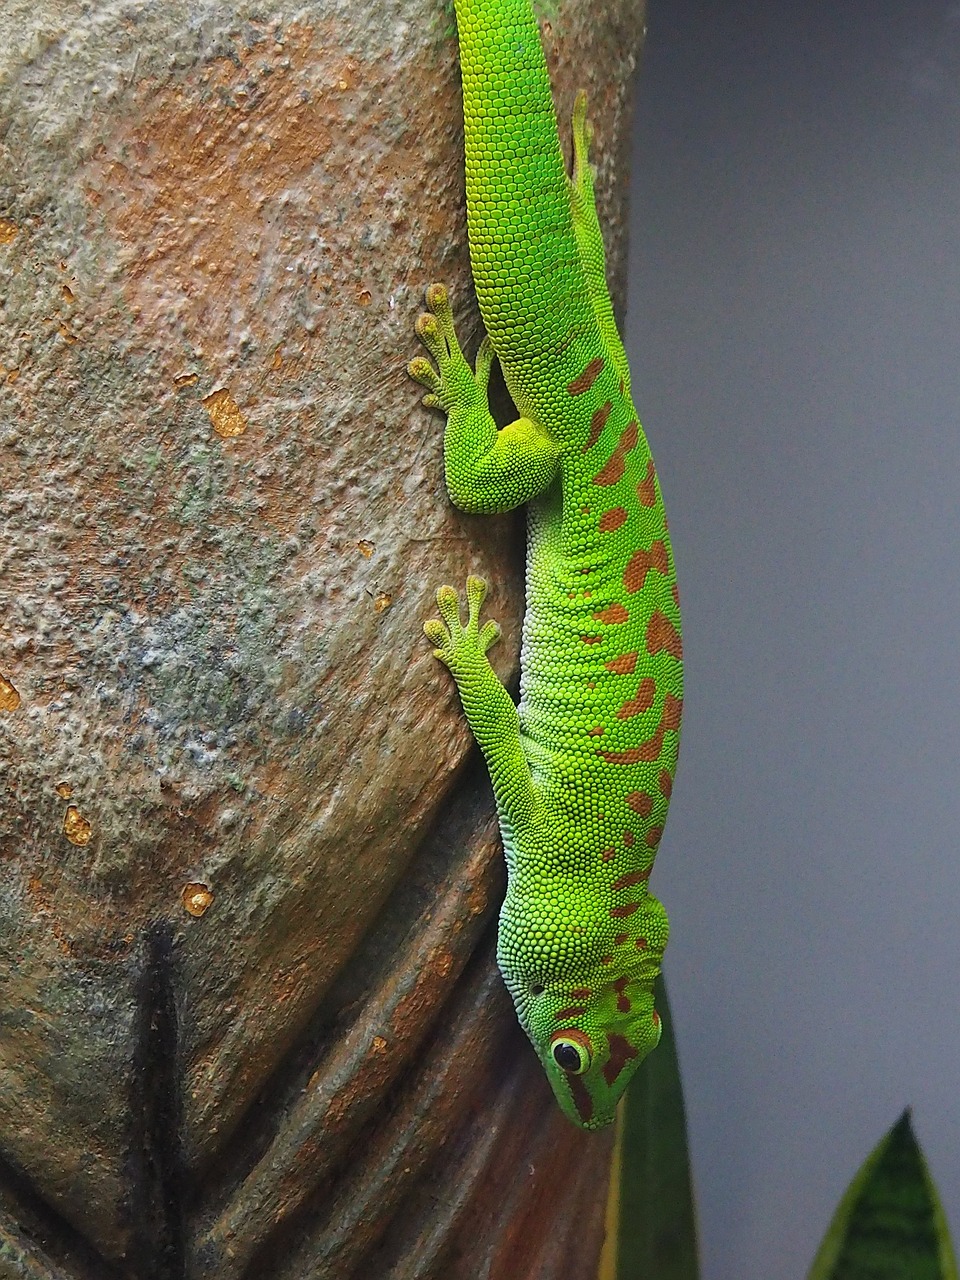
column 9, row 696
column 228, row 421
column 76, row 827
column 196, row 898
column 192, row 184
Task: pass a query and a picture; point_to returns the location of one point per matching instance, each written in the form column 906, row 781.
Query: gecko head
column 592, row 1036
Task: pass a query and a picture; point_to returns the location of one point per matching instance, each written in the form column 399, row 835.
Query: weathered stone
column 249, row 1020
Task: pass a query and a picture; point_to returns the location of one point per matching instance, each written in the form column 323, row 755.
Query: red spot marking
column 575, row 1011
column 623, row 1004
column 632, row 877
column 644, row 700
column 592, row 639
column 663, row 636
column 613, row 469
column 612, row 519
column 640, row 803
column 628, row 908
column 620, row 939
column 621, row 386
column 612, row 614
column 666, row 783
column 597, row 423
column 676, row 595
column 591, row 685
column 608, row 854
column 629, row 839
column 642, row 562
column 647, row 488
column 596, row 732
column 621, row 1051
column 622, row 666
column 584, row 511
column 581, row 1097
column 653, row 836
column 588, row 595
column 649, row 750
column 656, row 1018
column 641, row 944
column 581, row 993
column 606, row 959
column 584, row 381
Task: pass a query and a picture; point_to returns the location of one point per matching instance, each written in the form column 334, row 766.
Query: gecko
column 582, row 770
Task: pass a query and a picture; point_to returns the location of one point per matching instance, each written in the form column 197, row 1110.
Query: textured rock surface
column 249, row 1021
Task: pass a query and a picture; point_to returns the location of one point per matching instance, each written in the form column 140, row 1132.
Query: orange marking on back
column 592, row 639
column 620, row 939
column 608, row 854
column 614, row 467
column 597, row 423
column 624, row 665
column 606, row 959
column 629, row 839
column 676, row 595
column 642, row 562
column 585, row 380
column 621, row 387
column 612, row 519
column 595, row 732
column 632, row 877
column 666, row 783
column 640, row 803
column 654, row 836
column 647, row 488
column 644, row 700
column 663, row 636
column 649, row 750
column 621, row 1051
column 628, row 908
column 641, row 944
column 613, row 613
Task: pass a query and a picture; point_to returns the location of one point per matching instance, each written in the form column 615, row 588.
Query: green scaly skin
column 582, row 770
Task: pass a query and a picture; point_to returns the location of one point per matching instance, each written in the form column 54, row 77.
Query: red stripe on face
column 574, row 1011
column 621, row 1051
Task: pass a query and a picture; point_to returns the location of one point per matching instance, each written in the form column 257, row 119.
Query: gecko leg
column 489, row 709
column 487, row 469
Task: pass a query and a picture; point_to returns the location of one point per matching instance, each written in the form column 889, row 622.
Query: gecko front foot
column 459, row 646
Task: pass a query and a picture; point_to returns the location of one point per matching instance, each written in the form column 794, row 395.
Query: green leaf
column 651, row 1226
column 890, row 1224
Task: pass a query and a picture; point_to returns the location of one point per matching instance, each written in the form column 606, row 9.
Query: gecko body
column 583, row 769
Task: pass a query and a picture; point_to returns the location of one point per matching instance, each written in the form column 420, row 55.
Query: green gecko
column 582, row 770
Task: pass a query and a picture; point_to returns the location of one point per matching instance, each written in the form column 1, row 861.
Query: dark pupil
column 567, row 1057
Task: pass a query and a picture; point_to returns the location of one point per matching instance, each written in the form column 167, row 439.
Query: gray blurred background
column 794, row 332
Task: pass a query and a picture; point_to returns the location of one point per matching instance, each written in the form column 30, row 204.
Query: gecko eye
column 572, row 1051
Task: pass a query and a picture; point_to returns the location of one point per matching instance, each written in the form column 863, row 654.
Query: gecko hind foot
column 456, row 643
column 452, row 383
